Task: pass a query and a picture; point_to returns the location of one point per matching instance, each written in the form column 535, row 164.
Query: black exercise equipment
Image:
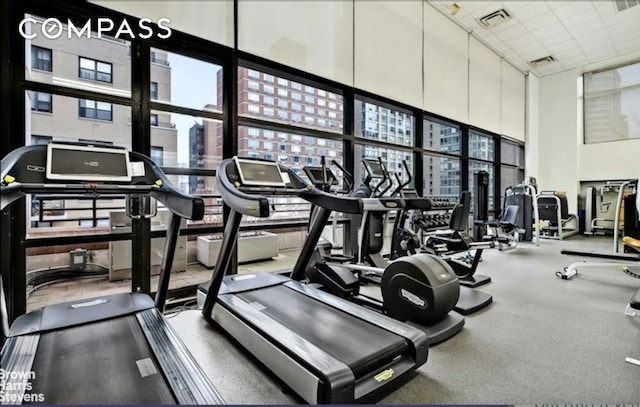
column 420, row 290
column 327, row 349
column 112, row 349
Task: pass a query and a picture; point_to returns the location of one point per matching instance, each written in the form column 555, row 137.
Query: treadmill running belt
column 103, row 363
column 359, row 344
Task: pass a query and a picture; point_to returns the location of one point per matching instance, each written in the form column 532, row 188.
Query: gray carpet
column 543, row 340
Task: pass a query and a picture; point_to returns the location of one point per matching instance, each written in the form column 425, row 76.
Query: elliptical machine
column 420, row 290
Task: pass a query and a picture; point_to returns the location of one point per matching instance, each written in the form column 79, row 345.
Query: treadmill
column 112, row 349
column 328, row 350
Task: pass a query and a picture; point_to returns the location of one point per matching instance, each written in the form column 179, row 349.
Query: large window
column 292, row 108
column 481, row 146
column 391, row 157
column 442, row 137
column 611, row 104
column 474, row 167
column 179, row 80
column 441, row 176
column 378, row 122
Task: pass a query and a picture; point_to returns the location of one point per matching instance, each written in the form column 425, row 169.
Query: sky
column 193, row 85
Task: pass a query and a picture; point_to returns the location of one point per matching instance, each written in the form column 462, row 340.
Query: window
column 295, row 138
column 268, row 145
column 154, row 90
column 373, row 122
column 268, row 156
column 254, row 74
column 268, row 89
column 95, row 70
column 309, row 109
column 268, row 100
column 41, row 58
column 91, row 109
column 390, row 157
column 267, row 111
column 440, row 136
column 268, row 78
column 40, row 101
column 296, row 96
column 283, row 147
column 441, row 176
column 254, row 97
column 511, row 153
column 253, row 132
column 474, row 167
column 296, row 85
column 611, row 100
column 309, row 99
column 481, row 146
column 253, row 144
column 255, row 109
column 154, row 119
column 157, row 155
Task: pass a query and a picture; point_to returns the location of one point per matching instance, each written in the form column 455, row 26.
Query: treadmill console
column 316, row 178
column 87, row 163
column 374, row 168
column 260, row 173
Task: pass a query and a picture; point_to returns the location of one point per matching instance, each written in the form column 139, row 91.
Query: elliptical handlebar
column 348, row 177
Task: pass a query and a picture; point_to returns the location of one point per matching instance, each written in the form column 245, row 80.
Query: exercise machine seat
column 632, row 242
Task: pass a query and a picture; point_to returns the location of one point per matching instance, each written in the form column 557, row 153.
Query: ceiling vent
column 537, row 63
column 494, row 19
column 622, row 5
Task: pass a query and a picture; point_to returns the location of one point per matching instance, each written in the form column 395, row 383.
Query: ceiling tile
column 572, row 9
column 557, row 4
column 532, row 9
column 601, row 54
column 577, row 32
column 511, row 32
column 540, row 21
column 557, row 32
column 581, row 18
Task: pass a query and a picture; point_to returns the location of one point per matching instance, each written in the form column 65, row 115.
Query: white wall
column 388, row 44
column 512, row 97
column 558, row 135
column 404, row 50
column 314, row 36
column 446, row 67
column 485, row 95
column 211, row 20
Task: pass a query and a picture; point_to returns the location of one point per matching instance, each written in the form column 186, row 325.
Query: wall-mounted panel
column 313, row 36
column 484, row 87
column 513, row 102
column 211, row 20
column 446, row 74
column 388, row 49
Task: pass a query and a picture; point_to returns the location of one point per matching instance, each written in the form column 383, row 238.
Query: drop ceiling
column 574, row 33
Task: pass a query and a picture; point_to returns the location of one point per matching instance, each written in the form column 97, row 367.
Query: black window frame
column 95, row 71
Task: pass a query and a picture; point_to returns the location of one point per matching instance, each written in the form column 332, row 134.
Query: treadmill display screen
column 259, row 173
column 374, row 168
column 315, row 176
column 87, row 163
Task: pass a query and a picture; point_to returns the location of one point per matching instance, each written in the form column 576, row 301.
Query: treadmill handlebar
column 23, row 172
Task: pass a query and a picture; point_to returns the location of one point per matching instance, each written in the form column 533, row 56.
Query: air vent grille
column 494, row 19
column 622, row 5
column 537, row 63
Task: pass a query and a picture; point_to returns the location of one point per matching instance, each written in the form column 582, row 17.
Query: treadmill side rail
column 18, row 354
column 186, row 378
